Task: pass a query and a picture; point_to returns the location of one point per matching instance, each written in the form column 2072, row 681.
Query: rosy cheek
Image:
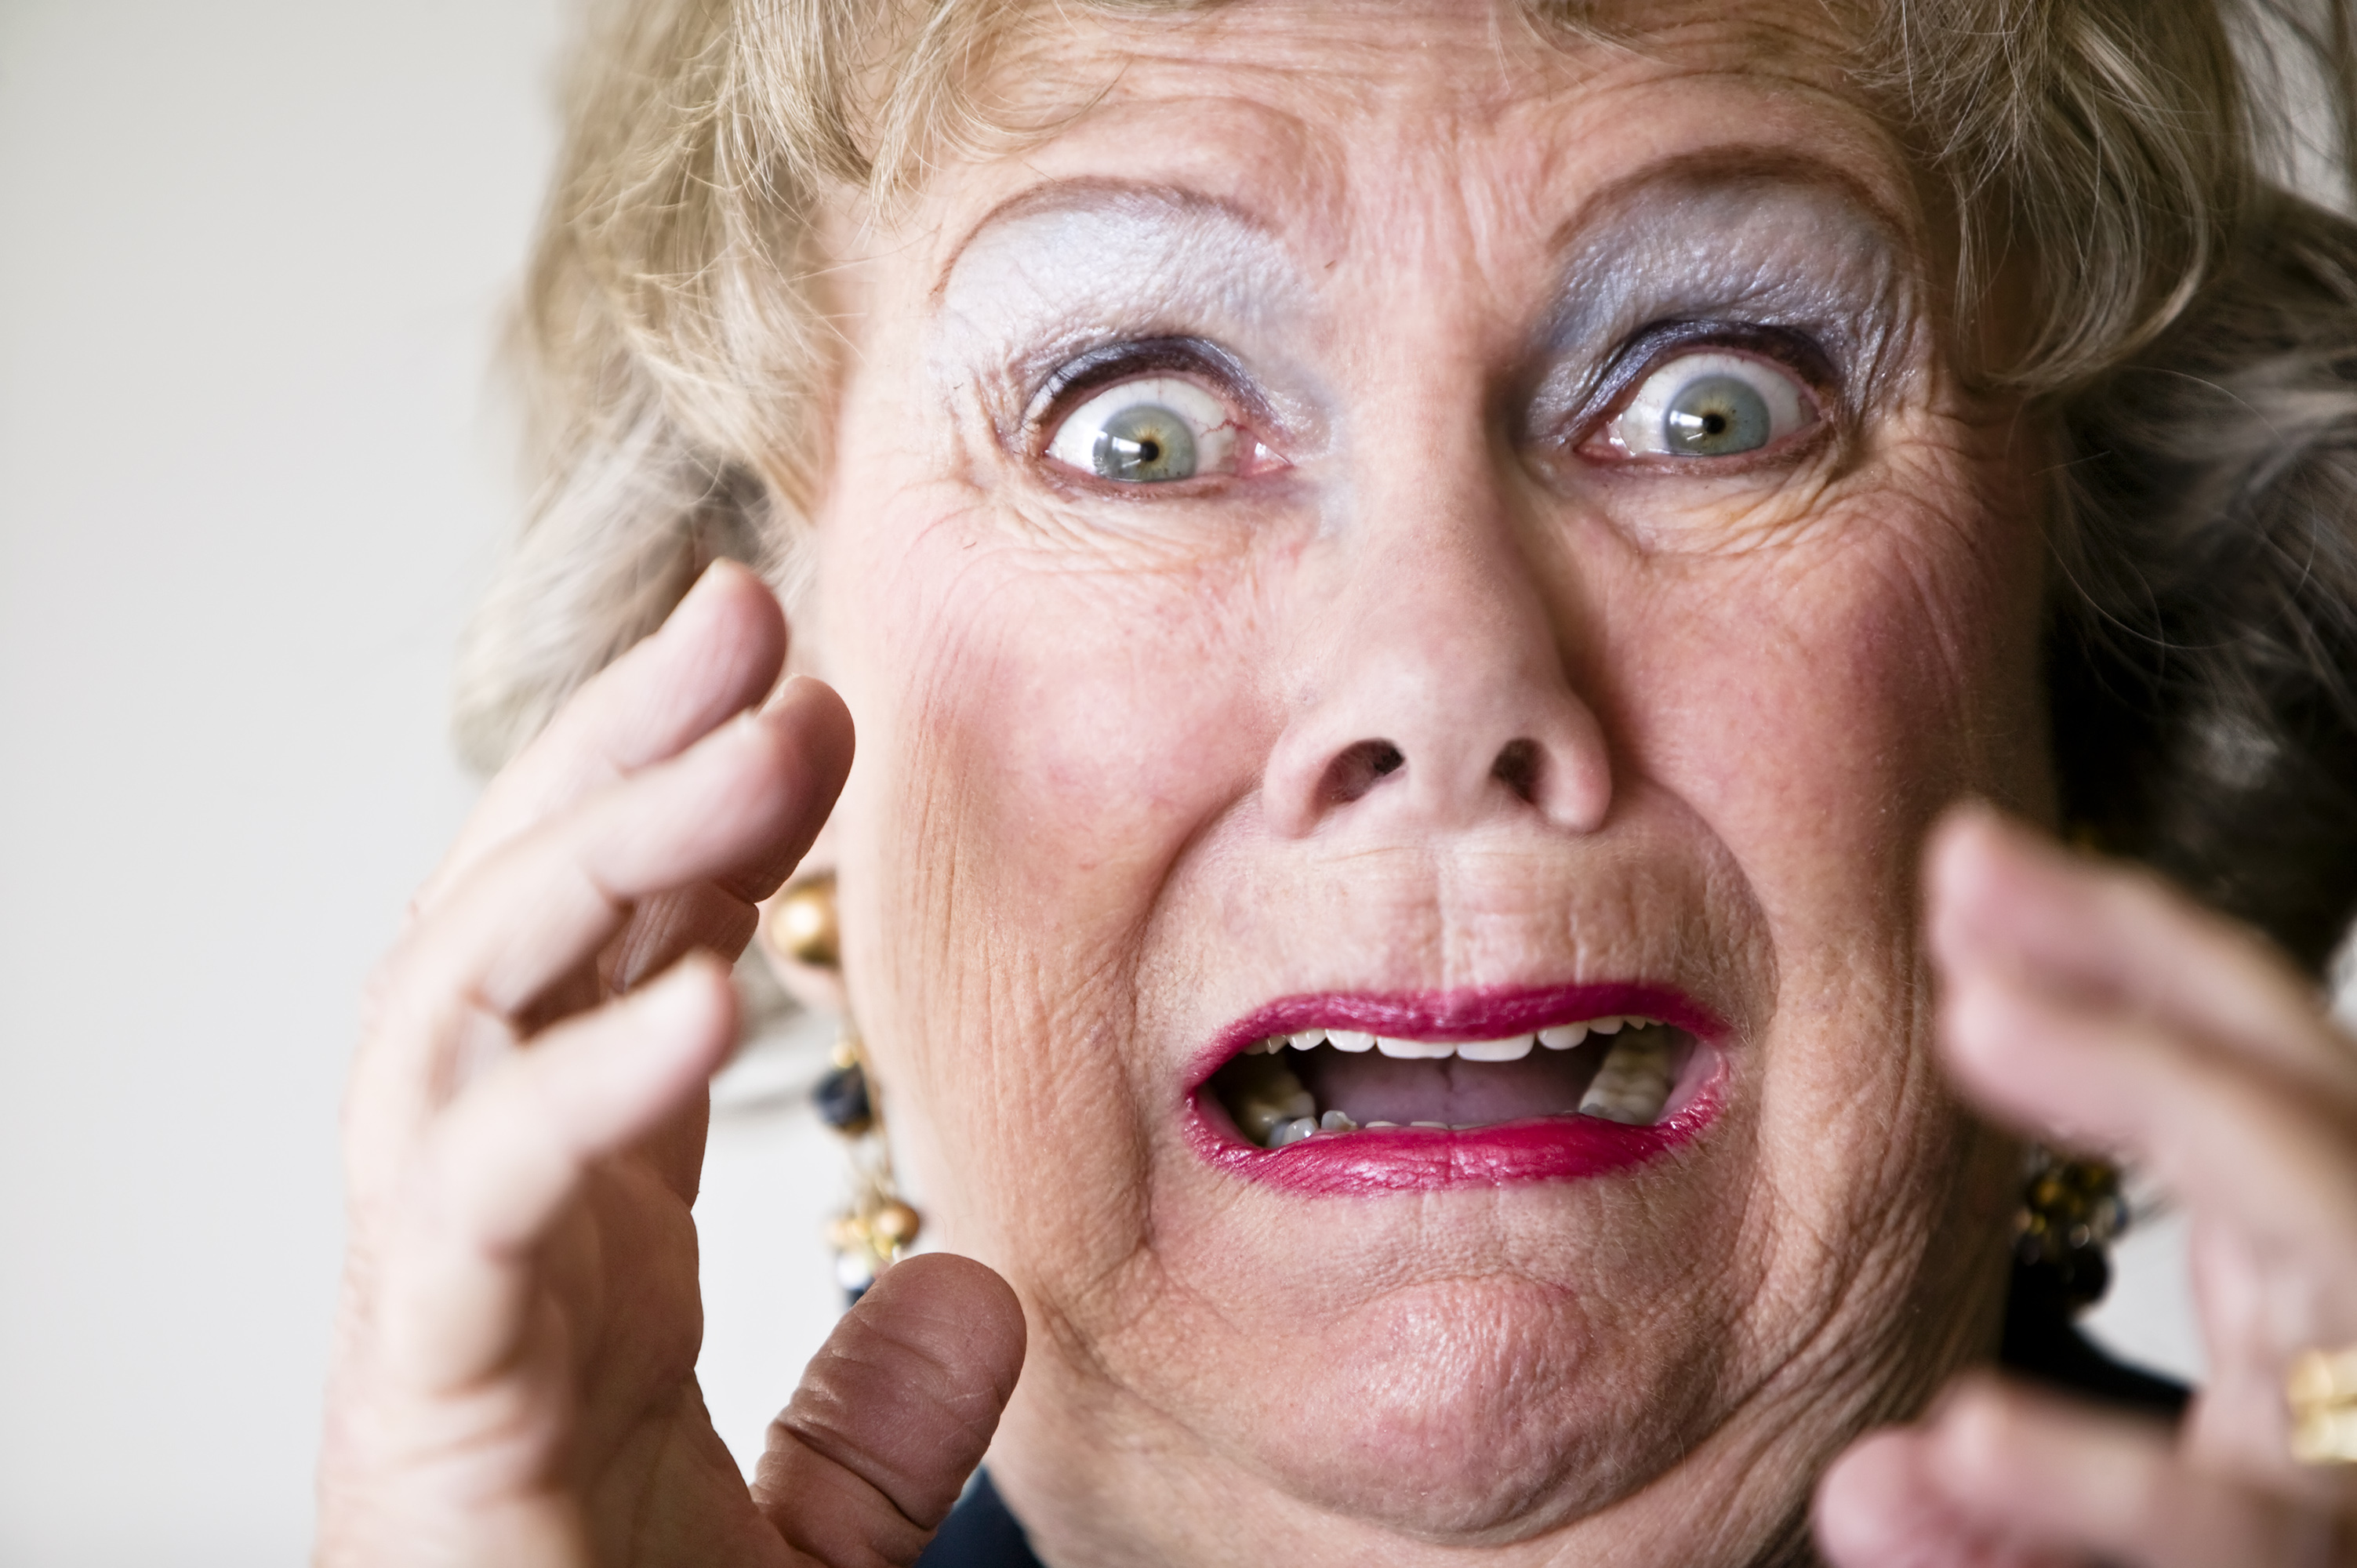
column 1042, row 735
column 1081, row 721
column 1816, row 709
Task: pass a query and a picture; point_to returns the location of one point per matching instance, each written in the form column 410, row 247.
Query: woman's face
column 1377, row 527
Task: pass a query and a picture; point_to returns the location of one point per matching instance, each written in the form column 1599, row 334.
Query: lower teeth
column 1633, row 1084
column 1291, row 1131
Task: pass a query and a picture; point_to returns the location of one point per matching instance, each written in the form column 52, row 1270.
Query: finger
column 2269, row 1171
column 2085, row 1483
column 511, row 1154
column 2004, row 896
column 661, row 931
column 2233, row 1144
column 1879, row 1507
column 2255, row 1310
column 894, row 1413
column 736, row 809
column 720, row 919
column 719, row 653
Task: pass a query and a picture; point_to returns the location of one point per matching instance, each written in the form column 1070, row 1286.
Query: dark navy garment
column 2040, row 1343
column 979, row 1533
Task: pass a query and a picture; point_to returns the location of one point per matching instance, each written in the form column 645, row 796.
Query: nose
column 1435, row 688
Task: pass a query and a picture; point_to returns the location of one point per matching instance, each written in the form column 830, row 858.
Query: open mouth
column 1285, row 1088
column 1346, row 1092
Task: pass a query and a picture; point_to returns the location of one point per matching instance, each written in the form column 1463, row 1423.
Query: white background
column 253, row 254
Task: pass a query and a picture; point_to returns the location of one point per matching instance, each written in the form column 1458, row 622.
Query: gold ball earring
column 877, row 1225
column 801, row 926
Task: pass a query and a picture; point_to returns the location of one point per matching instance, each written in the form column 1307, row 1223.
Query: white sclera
column 1075, row 441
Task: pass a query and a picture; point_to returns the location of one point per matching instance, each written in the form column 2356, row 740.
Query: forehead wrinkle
column 1295, row 98
column 1354, row 102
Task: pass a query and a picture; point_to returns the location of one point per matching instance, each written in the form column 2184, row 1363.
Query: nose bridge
column 1434, row 690
column 1452, row 627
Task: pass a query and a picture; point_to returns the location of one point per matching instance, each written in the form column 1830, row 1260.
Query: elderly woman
column 1421, row 586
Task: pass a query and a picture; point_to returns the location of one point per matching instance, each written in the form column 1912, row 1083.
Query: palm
column 656, row 1485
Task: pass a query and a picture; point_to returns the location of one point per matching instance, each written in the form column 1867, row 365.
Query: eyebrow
column 1095, row 195
column 1784, row 239
column 1706, row 170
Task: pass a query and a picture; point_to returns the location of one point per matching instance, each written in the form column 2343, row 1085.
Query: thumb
column 893, row 1414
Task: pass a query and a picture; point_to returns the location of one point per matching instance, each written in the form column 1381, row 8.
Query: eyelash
column 1078, row 379
column 1657, row 348
column 1069, row 387
column 1208, row 370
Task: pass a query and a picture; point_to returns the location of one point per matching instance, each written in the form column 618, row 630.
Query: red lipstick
column 1414, row 1159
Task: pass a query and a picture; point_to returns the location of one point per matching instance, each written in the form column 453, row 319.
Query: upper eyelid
column 1062, row 385
column 1651, row 348
column 1110, row 364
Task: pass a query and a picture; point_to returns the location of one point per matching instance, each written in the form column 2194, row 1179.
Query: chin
column 1436, row 1183
column 1475, row 1410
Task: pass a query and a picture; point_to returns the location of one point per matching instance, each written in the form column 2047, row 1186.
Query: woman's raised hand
column 514, row 1374
column 2092, row 1007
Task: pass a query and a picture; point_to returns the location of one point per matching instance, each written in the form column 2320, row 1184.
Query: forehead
column 1465, row 129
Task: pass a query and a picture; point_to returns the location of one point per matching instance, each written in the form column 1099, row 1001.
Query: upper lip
column 1470, row 1014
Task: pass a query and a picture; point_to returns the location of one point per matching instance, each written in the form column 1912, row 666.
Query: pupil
column 1714, row 423
column 1149, row 450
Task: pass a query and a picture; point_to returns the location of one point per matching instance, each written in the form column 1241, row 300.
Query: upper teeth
column 1513, row 1047
column 1631, row 1084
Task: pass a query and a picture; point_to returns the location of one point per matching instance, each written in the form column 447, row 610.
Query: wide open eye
column 1148, row 431
column 1711, row 405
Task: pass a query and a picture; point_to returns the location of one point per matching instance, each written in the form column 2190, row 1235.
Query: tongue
column 1367, row 1087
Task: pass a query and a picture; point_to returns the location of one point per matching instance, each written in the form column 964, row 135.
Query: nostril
column 1517, row 767
column 1356, row 768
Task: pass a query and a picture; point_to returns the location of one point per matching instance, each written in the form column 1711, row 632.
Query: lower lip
column 1427, row 1159
column 1424, row 1159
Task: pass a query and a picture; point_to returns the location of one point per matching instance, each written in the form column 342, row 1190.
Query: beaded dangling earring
column 2072, row 1211
column 877, row 1225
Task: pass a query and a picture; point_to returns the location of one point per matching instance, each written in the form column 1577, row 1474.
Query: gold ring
column 2321, row 1388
